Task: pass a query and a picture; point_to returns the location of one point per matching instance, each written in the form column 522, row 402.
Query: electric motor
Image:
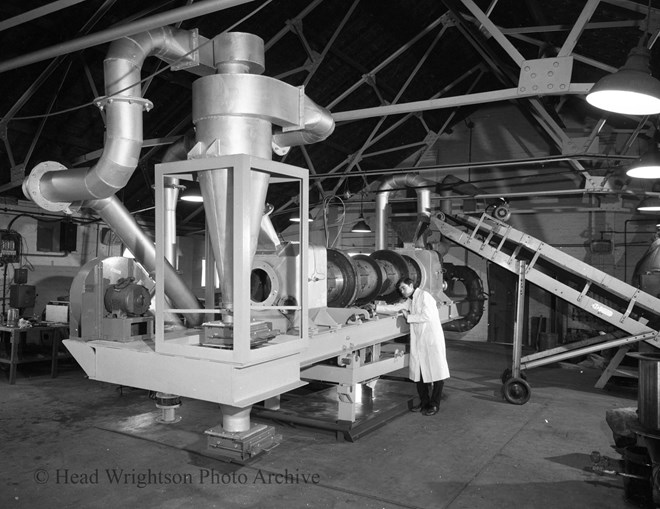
column 127, row 298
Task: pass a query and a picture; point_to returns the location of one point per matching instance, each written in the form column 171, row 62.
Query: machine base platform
column 315, row 406
column 242, row 445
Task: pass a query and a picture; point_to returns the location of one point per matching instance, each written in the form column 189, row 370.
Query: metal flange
column 32, row 191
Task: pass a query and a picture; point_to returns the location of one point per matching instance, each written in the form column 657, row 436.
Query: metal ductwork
column 318, row 125
column 122, row 223
column 234, row 112
column 177, row 151
column 54, row 187
column 268, row 235
column 422, row 187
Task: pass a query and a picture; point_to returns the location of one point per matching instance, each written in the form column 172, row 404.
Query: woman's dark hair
column 405, row 281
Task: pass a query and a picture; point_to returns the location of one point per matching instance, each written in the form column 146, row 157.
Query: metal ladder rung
column 584, row 290
column 504, row 238
column 486, row 241
column 534, row 258
column 630, row 307
column 476, row 228
column 515, row 254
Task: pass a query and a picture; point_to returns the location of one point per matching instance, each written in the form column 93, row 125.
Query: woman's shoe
column 432, row 410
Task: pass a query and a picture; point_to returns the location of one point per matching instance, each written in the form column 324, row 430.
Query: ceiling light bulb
column 361, row 226
column 296, row 219
column 194, row 198
column 649, row 171
column 631, row 90
column 650, row 204
column 647, row 166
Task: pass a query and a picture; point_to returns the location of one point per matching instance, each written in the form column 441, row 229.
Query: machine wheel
column 516, row 391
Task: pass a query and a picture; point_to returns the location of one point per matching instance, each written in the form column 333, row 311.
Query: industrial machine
column 287, row 313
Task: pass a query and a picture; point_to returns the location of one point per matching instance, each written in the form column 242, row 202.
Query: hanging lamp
column 632, row 90
column 361, row 226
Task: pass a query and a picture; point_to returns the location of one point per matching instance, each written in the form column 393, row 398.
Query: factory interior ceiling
column 397, row 76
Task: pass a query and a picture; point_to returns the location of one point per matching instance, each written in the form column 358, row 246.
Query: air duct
column 122, row 223
column 422, row 188
column 318, row 125
column 123, row 104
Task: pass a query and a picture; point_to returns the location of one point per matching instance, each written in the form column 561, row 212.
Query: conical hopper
column 216, row 186
column 227, row 122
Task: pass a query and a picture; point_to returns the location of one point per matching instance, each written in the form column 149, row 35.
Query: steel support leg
column 518, row 325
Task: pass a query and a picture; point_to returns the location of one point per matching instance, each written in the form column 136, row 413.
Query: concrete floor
column 478, row 452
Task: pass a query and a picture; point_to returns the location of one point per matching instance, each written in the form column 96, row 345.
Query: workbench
column 12, row 339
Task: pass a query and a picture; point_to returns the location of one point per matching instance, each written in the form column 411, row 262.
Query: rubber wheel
column 516, row 391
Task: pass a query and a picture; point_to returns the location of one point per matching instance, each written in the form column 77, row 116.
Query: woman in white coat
column 428, row 359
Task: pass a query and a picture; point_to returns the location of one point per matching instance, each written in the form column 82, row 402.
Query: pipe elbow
column 318, row 125
column 32, row 188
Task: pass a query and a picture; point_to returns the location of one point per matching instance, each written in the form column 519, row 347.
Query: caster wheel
column 506, row 374
column 516, row 391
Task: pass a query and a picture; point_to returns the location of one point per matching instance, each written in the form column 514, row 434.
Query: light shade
column 631, row 90
column 296, row 219
column 647, row 167
column 361, row 226
column 649, row 204
column 191, row 194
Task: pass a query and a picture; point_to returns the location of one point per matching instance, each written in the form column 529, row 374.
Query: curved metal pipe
column 475, row 296
column 124, row 106
column 115, row 215
column 318, row 125
column 422, row 187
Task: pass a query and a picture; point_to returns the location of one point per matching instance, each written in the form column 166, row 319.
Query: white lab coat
column 428, row 356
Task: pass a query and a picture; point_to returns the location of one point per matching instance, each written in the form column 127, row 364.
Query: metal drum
column 648, row 396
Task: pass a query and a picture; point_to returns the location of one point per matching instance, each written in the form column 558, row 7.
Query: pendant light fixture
column 361, row 226
column 651, row 204
column 296, row 218
column 632, row 90
column 648, row 166
column 192, row 194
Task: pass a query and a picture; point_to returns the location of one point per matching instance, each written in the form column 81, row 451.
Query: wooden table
column 15, row 335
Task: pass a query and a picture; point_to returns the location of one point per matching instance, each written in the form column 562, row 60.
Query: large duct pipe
column 422, row 187
column 122, row 223
column 318, row 125
column 123, row 105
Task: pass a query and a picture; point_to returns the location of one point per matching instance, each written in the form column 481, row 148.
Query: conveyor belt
column 502, row 244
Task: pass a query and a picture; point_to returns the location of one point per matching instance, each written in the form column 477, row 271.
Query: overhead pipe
column 123, row 104
column 422, row 187
column 189, row 11
column 115, row 215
